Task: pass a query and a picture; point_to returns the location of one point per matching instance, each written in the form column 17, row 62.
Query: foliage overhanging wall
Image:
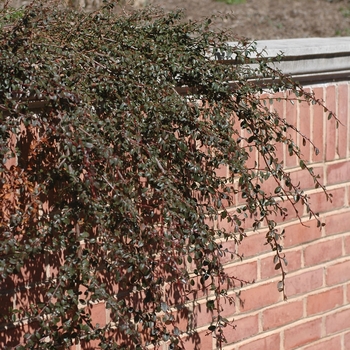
column 114, row 133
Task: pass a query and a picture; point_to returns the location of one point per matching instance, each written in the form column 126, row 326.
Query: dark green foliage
column 118, row 125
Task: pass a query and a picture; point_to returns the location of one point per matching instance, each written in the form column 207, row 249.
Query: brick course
column 303, row 333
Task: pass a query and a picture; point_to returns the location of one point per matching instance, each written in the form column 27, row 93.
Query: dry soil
column 270, row 19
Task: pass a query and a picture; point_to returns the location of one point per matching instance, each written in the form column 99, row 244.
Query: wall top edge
column 305, row 46
column 310, row 59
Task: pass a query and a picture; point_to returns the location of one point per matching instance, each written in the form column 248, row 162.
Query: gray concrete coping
column 311, row 60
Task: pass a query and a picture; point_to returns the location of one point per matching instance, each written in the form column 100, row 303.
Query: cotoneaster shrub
column 112, row 130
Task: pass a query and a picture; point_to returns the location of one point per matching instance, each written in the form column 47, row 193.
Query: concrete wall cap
column 310, row 60
column 305, row 46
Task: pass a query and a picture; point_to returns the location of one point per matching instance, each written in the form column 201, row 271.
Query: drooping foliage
column 113, row 131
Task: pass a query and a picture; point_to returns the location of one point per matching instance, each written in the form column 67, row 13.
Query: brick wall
column 317, row 312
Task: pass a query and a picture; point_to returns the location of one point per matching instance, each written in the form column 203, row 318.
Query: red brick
column 338, row 173
column 303, row 177
column 181, row 319
column 326, row 344
column 291, row 118
column 330, row 249
column 240, row 200
column 269, row 185
column 270, row 342
column 246, row 272
column 248, row 222
column 282, row 315
column 176, row 292
column 297, row 234
column 337, row 223
column 252, row 158
column 225, row 224
column 338, row 273
column 304, row 117
column 324, row 301
column 331, row 124
column 253, row 244
column 319, row 204
column 304, row 282
column 343, row 116
column 279, row 152
column 222, row 171
column 230, row 255
column 338, row 321
column 347, row 338
column 292, row 212
column 347, row 244
column 228, row 307
column 277, row 106
column 260, row 295
column 302, row 334
column 199, row 340
column 230, row 201
column 245, row 327
column 317, row 126
column 98, row 314
column 201, row 315
column 267, row 266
